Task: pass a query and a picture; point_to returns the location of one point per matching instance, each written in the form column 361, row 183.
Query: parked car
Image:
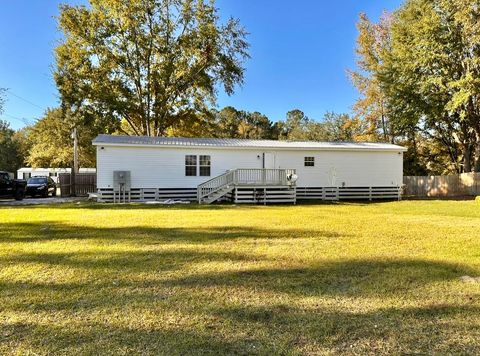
column 43, row 186
column 11, row 188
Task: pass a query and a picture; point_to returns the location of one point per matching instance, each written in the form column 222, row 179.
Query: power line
column 23, row 120
column 13, row 117
column 25, row 100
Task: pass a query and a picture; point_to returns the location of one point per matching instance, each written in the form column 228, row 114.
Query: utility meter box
column 121, row 181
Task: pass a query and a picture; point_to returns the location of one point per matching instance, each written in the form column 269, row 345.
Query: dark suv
column 11, row 188
column 41, row 186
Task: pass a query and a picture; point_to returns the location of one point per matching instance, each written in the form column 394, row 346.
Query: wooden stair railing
column 213, row 185
column 242, row 177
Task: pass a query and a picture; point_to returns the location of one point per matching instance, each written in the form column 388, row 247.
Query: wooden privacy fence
column 84, row 183
column 443, row 186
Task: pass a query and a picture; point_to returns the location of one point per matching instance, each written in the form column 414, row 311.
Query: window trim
column 187, row 166
column 209, row 166
column 309, row 161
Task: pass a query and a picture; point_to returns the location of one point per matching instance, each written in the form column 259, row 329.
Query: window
column 205, row 166
column 309, row 161
column 203, row 162
column 190, row 165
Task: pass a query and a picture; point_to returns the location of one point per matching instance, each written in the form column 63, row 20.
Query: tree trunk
column 467, row 159
column 477, row 155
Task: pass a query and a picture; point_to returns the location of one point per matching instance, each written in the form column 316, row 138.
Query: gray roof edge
column 113, row 140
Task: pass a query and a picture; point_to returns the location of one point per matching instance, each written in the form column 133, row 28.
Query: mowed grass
column 306, row 279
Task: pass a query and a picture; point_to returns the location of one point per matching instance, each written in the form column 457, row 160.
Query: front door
column 269, row 160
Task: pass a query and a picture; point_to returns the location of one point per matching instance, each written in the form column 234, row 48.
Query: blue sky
column 300, row 53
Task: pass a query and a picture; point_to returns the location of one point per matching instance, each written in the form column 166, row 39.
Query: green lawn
column 307, row 279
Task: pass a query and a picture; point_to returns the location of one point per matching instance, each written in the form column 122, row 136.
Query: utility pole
column 75, row 162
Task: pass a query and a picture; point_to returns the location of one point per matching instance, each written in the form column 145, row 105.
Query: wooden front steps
column 252, row 186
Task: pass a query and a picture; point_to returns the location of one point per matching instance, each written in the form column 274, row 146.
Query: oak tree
column 433, row 71
column 232, row 123
column 49, row 142
column 153, row 64
column 373, row 42
column 10, row 158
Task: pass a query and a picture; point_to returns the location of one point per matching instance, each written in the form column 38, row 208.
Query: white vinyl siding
column 351, row 169
column 158, row 167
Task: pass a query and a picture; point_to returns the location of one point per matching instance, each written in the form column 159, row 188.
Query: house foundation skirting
column 349, row 193
column 257, row 195
column 106, row 195
column 264, row 195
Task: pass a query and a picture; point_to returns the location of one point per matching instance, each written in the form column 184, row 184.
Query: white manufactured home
column 245, row 171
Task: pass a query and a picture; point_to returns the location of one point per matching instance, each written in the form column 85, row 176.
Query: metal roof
column 110, row 140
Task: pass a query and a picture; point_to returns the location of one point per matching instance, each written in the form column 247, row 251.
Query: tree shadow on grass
column 27, row 232
column 402, row 279
column 226, row 325
column 193, row 206
column 106, row 339
column 154, row 281
column 399, row 331
column 352, row 278
column 246, row 329
column 426, row 329
column 118, row 262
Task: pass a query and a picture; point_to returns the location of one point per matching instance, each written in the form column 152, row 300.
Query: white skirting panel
column 349, row 193
column 148, row 194
column 264, row 195
column 258, row 195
